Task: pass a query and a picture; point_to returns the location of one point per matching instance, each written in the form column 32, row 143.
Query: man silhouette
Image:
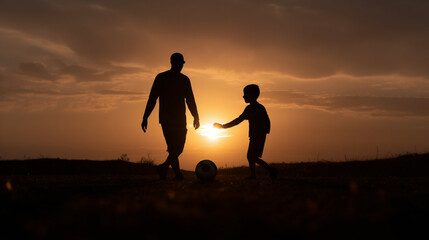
column 173, row 88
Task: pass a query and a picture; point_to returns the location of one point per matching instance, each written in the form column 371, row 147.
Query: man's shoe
column 162, row 172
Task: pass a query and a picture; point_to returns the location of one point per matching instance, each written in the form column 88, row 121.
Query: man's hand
column 144, row 124
column 217, row 125
column 196, row 123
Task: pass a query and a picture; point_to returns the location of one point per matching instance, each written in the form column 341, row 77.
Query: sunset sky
column 340, row 79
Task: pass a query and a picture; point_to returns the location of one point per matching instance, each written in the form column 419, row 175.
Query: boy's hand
column 217, row 125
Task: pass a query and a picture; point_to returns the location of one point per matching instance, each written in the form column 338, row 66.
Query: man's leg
column 175, row 136
column 176, row 166
column 167, row 162
column 177, row 149
column 252, row 167
column 163, row 168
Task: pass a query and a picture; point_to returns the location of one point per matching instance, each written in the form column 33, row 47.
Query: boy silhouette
column 173, row 89
column 259, row 127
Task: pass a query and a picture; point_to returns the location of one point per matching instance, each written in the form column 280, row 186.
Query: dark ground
column 77, row 199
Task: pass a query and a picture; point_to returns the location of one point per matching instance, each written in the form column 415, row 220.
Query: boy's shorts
column 256, row 146
column 175, row 136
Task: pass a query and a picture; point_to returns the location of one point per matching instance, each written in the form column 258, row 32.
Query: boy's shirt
column 259, row 122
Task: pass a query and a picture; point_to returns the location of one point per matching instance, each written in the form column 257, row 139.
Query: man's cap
column 177, row 58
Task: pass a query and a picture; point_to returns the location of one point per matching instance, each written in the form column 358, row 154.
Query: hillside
column 81, row 199
column 412, row 165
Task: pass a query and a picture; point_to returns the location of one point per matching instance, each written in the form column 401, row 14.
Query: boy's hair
column 252, row 90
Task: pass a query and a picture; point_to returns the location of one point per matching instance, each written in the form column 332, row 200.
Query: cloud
column 366, row 105
column 118, row 92
column 58, row 100
column 36, row 70
column 380, row 106
column 81, row 73
column 21, row 46
column 307, row 38
column 23, row 89
column 97, row 44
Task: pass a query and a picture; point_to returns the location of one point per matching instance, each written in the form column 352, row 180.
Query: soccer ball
column 206, row 170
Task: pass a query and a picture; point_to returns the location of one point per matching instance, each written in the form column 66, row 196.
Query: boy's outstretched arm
column 230, row 124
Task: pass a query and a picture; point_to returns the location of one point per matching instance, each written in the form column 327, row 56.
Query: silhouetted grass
column 80, row 199
column 55, row 166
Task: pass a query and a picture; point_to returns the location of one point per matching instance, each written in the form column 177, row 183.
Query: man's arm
column 190, row 101
column 151, row 102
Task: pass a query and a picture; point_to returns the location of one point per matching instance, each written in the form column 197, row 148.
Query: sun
column 212, row 133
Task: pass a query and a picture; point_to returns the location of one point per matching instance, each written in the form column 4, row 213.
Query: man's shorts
column 256, row 146
column 175, row 136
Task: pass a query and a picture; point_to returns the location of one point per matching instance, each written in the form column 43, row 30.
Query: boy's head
column 251, row 93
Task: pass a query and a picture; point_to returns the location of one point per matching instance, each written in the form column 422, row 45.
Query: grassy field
column 76, row 199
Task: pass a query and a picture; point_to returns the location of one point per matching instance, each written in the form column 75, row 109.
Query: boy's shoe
column 162, row 172
column 273, row 173
column 251, row 178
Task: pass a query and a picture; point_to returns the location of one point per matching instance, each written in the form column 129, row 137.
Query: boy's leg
column 256, row 147
column 262, row 163
column 271, row 170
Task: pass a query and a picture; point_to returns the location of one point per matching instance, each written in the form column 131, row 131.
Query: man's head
column 251, row 93
column 177, row 61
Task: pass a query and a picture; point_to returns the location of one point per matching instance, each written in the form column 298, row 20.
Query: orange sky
column 340, row 79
